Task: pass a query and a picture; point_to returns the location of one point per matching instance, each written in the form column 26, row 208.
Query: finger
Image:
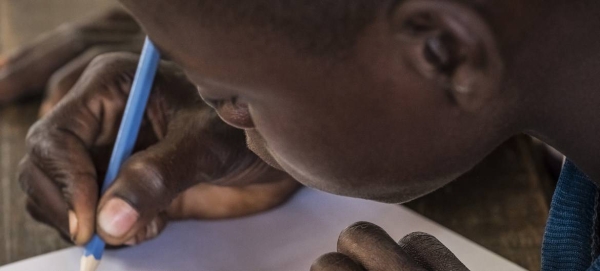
column 26, row 71
column 207, row 201
column 58, row 145
column 63, row 80
column 430, row 253
column 374, row 249
column 88, row 117
column 150, row 180
column 66, row 163
column 40, row 215
column 150, row 231
column 45, row 196
column 335, row 262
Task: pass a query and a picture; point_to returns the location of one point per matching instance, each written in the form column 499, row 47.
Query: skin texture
column 312, row 117
column 429, row 88
column 189, row 164
column 365, row 246
column 56, row 61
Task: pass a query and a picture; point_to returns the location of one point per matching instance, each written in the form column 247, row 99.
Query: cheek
column 343, row 147
column 299, row 140
column 388, row 144
column 257, row 144
column 370, row 148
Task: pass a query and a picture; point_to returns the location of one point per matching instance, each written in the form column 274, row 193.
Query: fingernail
column 152, row 230
column 117, row 217
column 131, row 242
column 73, row 225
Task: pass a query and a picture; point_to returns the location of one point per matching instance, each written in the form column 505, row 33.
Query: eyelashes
column 218, row 103
column 232, row 111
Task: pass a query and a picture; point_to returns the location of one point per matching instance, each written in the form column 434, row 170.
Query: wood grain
column 20, row 236
column 3, row 24
column 24, row 20
column 500, row 204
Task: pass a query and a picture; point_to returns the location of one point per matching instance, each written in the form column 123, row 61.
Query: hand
column 188, row 164
column 367, row 247
column 56, row 59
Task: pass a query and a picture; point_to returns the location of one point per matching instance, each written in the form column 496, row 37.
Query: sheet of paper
column 289, row 238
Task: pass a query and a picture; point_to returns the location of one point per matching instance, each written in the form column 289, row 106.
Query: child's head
column 379, row 99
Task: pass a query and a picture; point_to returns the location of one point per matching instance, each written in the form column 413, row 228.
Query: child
column 384, row 100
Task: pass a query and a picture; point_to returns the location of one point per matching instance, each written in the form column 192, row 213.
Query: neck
column 560, row 76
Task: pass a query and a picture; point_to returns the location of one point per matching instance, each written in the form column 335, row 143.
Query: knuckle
column 112, row 61
column 80, row 188
column 114, row 70
column 36, row 140
column 47, row 149
column 147, row 176
column 41, row 141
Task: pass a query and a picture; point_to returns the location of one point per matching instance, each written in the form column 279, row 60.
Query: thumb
column 150, row 180
column 430, row 253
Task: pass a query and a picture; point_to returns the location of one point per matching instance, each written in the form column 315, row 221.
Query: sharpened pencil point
column 89, row 263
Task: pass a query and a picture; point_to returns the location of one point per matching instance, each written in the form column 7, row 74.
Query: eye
column 234, row 112
column 218, row 103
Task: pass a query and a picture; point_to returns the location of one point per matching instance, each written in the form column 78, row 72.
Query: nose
column 236, row 114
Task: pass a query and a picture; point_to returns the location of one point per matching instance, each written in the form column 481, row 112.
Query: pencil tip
column 89, row 263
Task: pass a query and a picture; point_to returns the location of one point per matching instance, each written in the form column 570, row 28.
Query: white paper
column 289, row 238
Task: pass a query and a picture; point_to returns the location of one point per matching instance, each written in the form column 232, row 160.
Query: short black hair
column 313, row 26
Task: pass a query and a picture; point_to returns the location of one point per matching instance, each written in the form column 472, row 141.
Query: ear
column 453, row 46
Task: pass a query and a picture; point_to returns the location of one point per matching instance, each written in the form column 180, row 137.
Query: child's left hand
column 367, row 247
column 54, row 61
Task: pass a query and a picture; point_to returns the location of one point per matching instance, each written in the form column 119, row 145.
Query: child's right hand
column 188, row 164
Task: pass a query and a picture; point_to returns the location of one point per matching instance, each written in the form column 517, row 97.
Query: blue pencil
column 128, row 133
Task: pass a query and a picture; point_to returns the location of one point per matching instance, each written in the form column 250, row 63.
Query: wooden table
column 502, row 204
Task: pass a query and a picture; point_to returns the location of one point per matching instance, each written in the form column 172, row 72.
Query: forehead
column 312, row 26
column 236, row 55
column 249, row 57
